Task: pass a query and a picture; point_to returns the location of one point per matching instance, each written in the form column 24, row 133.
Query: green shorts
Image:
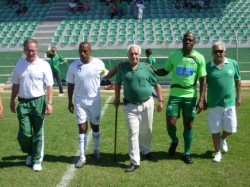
column 176, row 104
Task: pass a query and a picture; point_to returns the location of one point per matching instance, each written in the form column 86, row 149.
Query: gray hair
column 219, row 43
column 30, row 40
column 134, row 45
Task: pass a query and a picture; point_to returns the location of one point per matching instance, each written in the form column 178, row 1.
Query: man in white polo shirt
column 30, row 77
column 83, row 79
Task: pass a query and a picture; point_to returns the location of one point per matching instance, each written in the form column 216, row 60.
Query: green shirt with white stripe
column 221, row 83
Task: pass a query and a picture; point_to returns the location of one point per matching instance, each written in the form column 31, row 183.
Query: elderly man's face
column 134, row 55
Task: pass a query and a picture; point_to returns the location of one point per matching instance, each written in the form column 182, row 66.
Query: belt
column 137, row 103
column 25, row 100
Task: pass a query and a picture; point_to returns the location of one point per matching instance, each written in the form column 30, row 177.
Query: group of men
column 187, row 66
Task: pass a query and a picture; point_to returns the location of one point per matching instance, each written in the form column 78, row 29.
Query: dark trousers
column 57, row 76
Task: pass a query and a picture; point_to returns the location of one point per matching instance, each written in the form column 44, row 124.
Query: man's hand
column 13, row 106
column 71, row 107
column 49, row 109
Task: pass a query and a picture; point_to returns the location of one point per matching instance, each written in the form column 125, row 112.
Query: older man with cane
column 138, row 104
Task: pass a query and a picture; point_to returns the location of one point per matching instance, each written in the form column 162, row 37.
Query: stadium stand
column 162, row 26
column 51, row 24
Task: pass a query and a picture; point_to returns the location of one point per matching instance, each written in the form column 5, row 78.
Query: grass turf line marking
column 69, row 174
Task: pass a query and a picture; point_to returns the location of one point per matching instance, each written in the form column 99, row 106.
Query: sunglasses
column 218, row 51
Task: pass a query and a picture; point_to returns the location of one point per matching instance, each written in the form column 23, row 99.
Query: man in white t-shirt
column 30, row 79
column 83, row 79
column 141, row 8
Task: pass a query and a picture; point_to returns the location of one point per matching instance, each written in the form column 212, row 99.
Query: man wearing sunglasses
column 223, row 77
column 187, row 66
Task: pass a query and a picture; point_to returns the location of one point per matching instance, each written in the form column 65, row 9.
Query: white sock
column 81, row 142
column 85, row 144
column 96, row 139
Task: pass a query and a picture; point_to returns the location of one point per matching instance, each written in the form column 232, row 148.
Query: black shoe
column 187, row 159
column 149, row 157
column 172, row 148
column 132, row 168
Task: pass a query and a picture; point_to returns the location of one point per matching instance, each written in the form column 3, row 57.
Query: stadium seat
column 150, row 32
column 131, row 32
column 103, row 39
column 215, row 38
column 122, row 32
column 141, row 39
column 76, row 33
column 225, row 38
column 93, row 40
column 150, row 39
column 160, row 39
column 67, row 33
column 55, row 40
column 113, row 33
column 178, row 38
column 140, row 32
column 205, row 38
column 244, row 38
column 122, row 26
column 122, row 39
column 65, row 40
column 74, row 40
column 159, row 32
column 95, row 33
column 131, row 39
column 112, row 39
column 15, row 41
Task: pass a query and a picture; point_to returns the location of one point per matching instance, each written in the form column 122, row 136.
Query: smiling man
column 222, row 74
column 187, row 66
column 137, row 79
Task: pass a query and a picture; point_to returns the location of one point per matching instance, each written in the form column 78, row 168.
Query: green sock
column 172, row 134
column 188, row 139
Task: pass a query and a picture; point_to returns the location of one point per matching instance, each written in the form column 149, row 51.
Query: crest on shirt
column 169, row 107
column 230, row 72
column 79, row 67
column 192, row 61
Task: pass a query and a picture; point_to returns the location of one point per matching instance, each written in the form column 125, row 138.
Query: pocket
column 142, row 82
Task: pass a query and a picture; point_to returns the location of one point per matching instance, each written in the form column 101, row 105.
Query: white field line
column 69, row 174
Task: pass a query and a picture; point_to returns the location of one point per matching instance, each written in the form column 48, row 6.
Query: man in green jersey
column 151, row 60
column 55, row 61
column 137, row 79
column 187, row 66
column 223, row 77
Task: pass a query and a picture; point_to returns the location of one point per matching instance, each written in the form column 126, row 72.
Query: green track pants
column 31, row 116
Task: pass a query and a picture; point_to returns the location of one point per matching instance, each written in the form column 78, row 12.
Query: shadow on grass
column 107, row 159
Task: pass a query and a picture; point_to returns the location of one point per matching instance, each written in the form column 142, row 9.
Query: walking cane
column 116, row 114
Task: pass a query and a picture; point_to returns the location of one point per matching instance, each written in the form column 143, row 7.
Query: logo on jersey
column 192, row 61
column 230, row 72
column 169, row 107
column 79, row 67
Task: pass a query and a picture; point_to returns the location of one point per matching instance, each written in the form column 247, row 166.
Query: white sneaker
column 80, row 163
column 28, row 161
column 37, row 167
column 217, row 157
column 223, row 145
column 61, row 95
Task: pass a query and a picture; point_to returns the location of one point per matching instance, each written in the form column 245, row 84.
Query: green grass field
column 61, row 151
